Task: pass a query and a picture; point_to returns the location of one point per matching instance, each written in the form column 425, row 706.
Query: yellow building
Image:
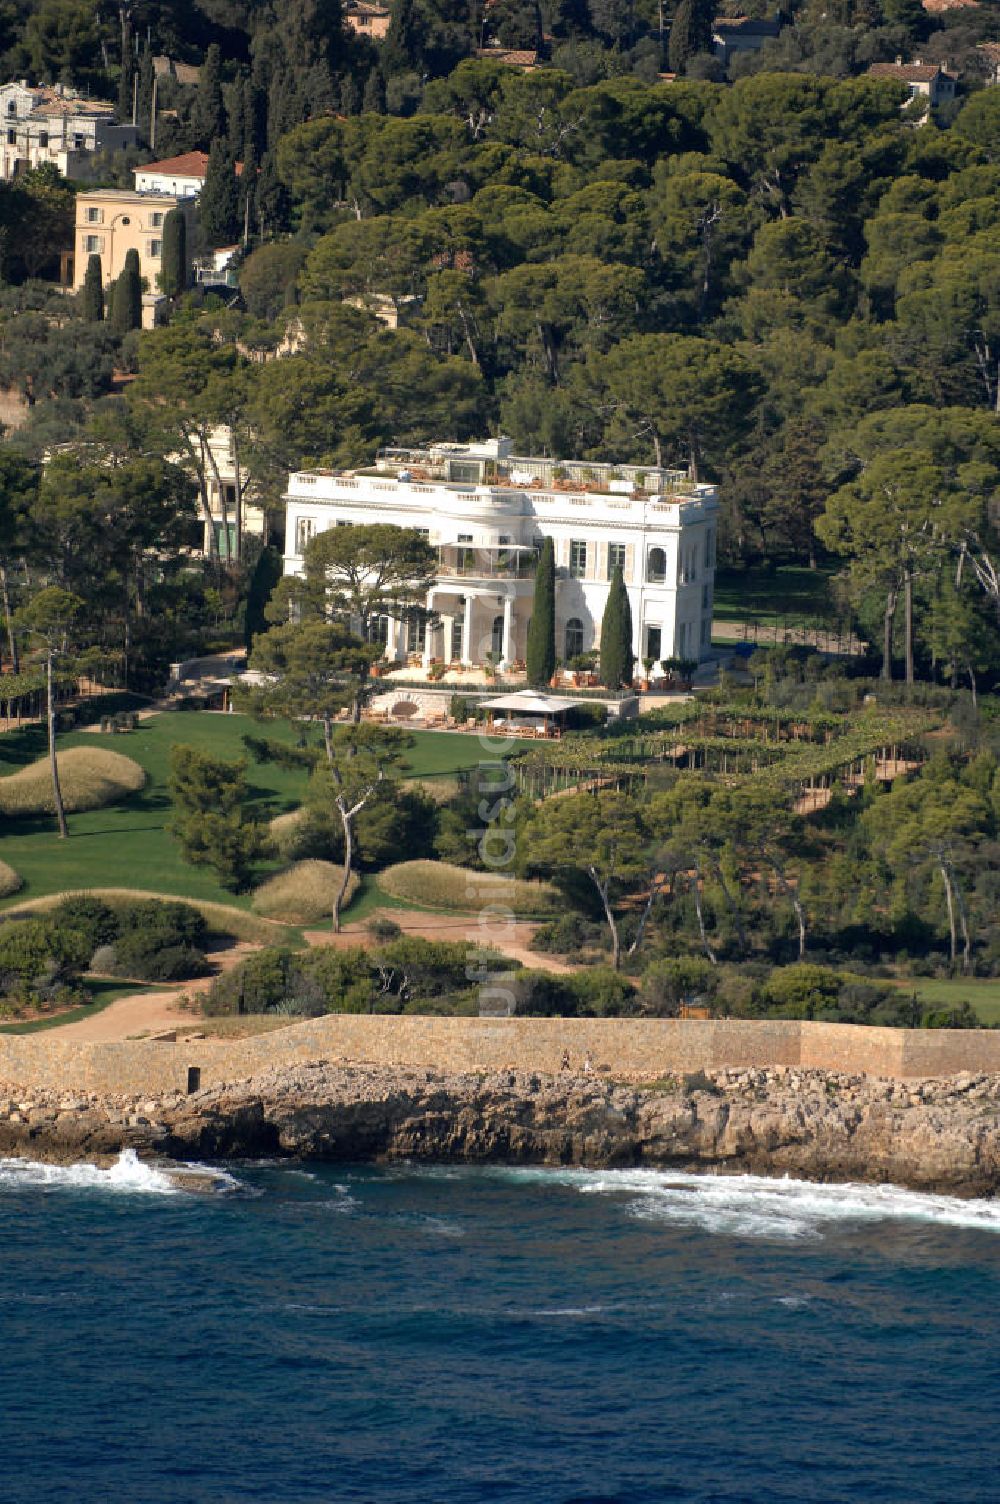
column 110, row 222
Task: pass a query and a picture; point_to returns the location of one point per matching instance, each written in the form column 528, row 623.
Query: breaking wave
column 129, row 1174
column 755, row 1206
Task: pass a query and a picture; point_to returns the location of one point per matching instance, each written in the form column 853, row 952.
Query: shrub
column 149, row 959
column 10, row 881
column 441, row 885
column 94, row 919
column 303, row 893
column 37, row 958
column 90, row 778
column 411, row 974
column 542, row 994
column 383, row 930
column 257, row 985
column 569, row 935
column 171, row 922
column 678, row 979
column 342, row 978
column 603, row 993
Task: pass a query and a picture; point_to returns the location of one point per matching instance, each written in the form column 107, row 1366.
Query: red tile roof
column 513, row 57
column 193, row 164
column 908, row 73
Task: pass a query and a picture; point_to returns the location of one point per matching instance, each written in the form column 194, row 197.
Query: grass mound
column 303, row 893
column 90, row 777
column 10, row 880
column 440, row 885
column 222, row 919
column 439, row 789
column 287, row 832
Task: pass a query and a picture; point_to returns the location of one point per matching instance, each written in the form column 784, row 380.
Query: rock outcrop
column 941, row 1135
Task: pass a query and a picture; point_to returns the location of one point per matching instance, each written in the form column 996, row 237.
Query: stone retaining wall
column 627, row 1047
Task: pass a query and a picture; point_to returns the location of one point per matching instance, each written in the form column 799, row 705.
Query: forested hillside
column 789, row 282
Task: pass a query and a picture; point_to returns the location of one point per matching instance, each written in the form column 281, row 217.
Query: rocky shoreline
column 934, row 1135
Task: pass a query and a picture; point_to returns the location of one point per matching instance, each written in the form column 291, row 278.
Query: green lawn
column 788, row 595
column 983, row 994
column 126, row 845
column 449, row 752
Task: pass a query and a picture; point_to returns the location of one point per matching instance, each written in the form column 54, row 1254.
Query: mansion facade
column 486, row 511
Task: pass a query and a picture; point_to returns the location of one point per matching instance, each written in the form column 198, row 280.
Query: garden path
column 514, row 940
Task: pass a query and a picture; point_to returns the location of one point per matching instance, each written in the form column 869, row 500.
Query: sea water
column 455, row 1336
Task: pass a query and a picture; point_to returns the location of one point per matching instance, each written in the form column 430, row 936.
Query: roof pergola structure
column 529, row 711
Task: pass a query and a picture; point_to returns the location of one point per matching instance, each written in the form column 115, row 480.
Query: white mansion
column 486, row 512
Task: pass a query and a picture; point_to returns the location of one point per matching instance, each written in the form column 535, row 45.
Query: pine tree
column 126, row 297
column 690, row 32
column 208, row 118
column 93, row 291
column 219, row 201
column 617, row 657
column 542, row 627
column 174, row 272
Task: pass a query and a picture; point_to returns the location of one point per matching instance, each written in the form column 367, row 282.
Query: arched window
column 656, row 567
column 574, row 637
column 496, row 645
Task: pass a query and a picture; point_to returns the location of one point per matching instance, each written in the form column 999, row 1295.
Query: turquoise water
column 457, row 1336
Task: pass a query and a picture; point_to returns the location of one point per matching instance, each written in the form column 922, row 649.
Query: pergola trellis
column 879, row 744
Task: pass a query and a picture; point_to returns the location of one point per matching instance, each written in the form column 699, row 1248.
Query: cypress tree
column 690, row 32
column 617, row 657
column 145, row 96
column 208, row 118
column 174, row 263
column 248, row 193
column 373, row 101
column 262, row 582
column 93, row 291
column 219, row 200
column 126, row 297
column 126, row 73
column 541, row 658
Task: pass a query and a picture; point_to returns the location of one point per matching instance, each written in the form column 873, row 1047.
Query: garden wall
column 625, row 1047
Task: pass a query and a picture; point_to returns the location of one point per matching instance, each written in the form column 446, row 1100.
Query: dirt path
column 514, row 942
column 157, row 1012
column 151, row 1012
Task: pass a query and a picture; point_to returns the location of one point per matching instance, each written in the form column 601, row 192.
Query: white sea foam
column 756, row 1206
column 128, row 1174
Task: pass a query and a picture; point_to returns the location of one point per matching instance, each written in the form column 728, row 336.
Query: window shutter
column 629, row 563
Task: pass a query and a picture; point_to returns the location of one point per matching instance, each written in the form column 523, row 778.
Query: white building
column 486, row 512
column 183, row 175
column 236, row 507
column 56, row 124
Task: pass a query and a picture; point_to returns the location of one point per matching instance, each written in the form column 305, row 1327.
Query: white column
column 391, row 639
column 467, row 632
column 508, row 626
column 428, row 635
